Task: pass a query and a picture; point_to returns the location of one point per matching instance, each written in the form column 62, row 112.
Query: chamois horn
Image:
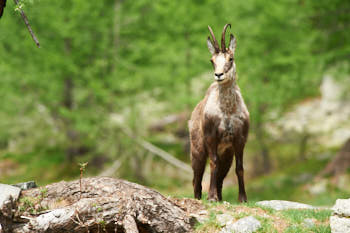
column 223, row 44
column 216, row 44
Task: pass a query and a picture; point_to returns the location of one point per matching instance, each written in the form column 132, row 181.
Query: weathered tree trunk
column 73, row 146
column 304, row 137
column 106, row 205
column 340, row 163
column 265, row 153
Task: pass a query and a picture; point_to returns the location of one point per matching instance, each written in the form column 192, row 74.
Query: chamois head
column 222, row 60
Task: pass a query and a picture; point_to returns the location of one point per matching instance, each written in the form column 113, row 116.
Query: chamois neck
column 227, row 97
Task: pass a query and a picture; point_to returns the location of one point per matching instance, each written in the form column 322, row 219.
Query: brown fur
column 219, row 129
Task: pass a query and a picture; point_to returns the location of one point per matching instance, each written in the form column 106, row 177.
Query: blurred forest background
column 115, row 81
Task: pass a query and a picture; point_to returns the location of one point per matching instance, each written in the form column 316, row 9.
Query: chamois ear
column 210, row 46
column 232, row 45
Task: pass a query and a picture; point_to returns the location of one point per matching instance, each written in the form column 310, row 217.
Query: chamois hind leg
column 199, row 161
column 224, row 167
column 242, row 196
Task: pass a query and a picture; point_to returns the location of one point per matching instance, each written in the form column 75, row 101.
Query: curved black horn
column 216, row 44
column 223, row 44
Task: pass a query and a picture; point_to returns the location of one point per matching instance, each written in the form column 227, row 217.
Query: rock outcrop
column 340, row 220
column 244, row 225
column 284, row 205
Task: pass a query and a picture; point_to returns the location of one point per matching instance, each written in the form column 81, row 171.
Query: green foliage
column 103, row 62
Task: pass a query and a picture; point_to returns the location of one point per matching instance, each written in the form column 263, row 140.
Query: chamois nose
column 219, row 74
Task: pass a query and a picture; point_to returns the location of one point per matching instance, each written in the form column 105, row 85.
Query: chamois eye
column 231, row 58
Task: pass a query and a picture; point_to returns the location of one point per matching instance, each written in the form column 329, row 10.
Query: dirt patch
column 278, row 223
column 250, row 211
column 191, row 206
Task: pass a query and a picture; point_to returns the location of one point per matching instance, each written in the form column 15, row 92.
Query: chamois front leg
column 214, row 169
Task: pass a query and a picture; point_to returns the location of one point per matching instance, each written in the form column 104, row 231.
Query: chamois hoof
column 213, row 199
column 242, row 199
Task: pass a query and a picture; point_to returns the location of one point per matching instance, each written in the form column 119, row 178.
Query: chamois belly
column 229, row 128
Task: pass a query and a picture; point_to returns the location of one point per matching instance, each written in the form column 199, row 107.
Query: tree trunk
column 340, row 164
column 68, row 102
column 266, row 161
column 304, row 137
column 106, row 205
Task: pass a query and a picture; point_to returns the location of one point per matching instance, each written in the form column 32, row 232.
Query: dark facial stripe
column 228, row 66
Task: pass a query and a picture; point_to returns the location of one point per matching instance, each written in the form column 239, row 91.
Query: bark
column 116, row 32
column 303, row 145
column 340, row 164
column 157, row 151
column 266, row 161
column 25, row 19
column 162, row 124
column 106, row 205
column 73, row 147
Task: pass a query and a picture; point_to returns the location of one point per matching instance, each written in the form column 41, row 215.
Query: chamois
column 219, row 124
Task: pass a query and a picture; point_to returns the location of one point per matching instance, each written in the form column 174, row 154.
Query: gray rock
column 223, row 219
column 284, row 205
column 339, row 224
column 244, row 225
column 7, row 191
column 26, row 185
column 201, row 216
column 309, row 222
column 342, row 207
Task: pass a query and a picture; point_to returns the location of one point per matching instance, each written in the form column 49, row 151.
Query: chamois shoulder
column 241, row 102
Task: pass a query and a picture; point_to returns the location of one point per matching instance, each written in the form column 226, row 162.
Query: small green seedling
column 82, row 169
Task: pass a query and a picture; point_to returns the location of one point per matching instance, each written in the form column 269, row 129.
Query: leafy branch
column 25, row 19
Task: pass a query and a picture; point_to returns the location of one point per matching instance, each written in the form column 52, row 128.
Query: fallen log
column 105, row 205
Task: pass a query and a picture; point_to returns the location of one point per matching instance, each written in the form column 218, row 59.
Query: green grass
column 209, row 225
column 41, row 167
column 288, row 184
column 302, row 229
column 266, row 225
column 297, row 216
column 289, row 221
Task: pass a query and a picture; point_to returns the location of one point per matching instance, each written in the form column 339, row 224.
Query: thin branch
column 25, row 19
column 112, row 169
column 158, row 151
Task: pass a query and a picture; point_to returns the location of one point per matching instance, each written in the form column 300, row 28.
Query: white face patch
column 220, row 62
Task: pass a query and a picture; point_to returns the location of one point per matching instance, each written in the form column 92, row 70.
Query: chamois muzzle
column 217, row 76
